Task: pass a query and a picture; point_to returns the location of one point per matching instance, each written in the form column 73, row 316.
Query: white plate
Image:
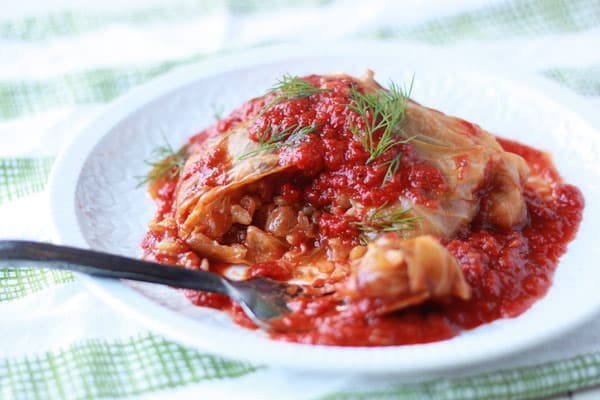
column 95, row 202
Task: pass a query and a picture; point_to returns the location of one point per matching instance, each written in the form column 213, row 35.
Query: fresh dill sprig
column 394, row 164
column 392, row 167
column 165, row 163
column 384, row 220
column 272, row 138
column 294, row 139
column 363, row 239
column 382, row 112
column 269, row 139
column 291, row 88
column 217, row 110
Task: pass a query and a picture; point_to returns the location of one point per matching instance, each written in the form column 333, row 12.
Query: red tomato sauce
column 507, row 270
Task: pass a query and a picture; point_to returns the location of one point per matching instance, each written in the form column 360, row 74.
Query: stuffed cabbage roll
column 302, row 193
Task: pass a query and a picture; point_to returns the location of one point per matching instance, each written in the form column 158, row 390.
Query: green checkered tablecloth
column 62, row 61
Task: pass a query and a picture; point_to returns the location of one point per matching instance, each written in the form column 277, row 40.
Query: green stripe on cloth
column 103, row 85
column 22, row 176
column 517, row 18
column 97, row 369
column 67, row 23
column 529, row 382
column 100, row 85
column 93, row 86
column 60, row 24
column 16, row 283
column 584, row 80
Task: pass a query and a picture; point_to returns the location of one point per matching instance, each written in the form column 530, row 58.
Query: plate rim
column 63, row 180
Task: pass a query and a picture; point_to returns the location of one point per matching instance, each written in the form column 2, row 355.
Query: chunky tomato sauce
column 507, row 270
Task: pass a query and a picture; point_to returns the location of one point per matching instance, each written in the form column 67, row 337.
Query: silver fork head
column 264, row 300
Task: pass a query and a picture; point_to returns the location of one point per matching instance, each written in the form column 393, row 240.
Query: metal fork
column 264, row 300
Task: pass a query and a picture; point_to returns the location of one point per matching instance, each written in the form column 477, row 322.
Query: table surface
column 64, row 60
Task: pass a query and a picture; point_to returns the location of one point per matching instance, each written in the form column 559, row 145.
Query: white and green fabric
column 62, row 61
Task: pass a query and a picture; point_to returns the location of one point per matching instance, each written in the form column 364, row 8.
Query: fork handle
column 25, row 254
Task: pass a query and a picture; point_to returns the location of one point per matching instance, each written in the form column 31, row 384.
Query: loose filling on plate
column 420, row 225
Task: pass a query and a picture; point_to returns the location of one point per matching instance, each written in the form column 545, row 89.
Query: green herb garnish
column 394, row 164
column 291, row 88
column 272, row 138
column 217, row 111
column 165, row 163
column 384, row 220
column 382, row 114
